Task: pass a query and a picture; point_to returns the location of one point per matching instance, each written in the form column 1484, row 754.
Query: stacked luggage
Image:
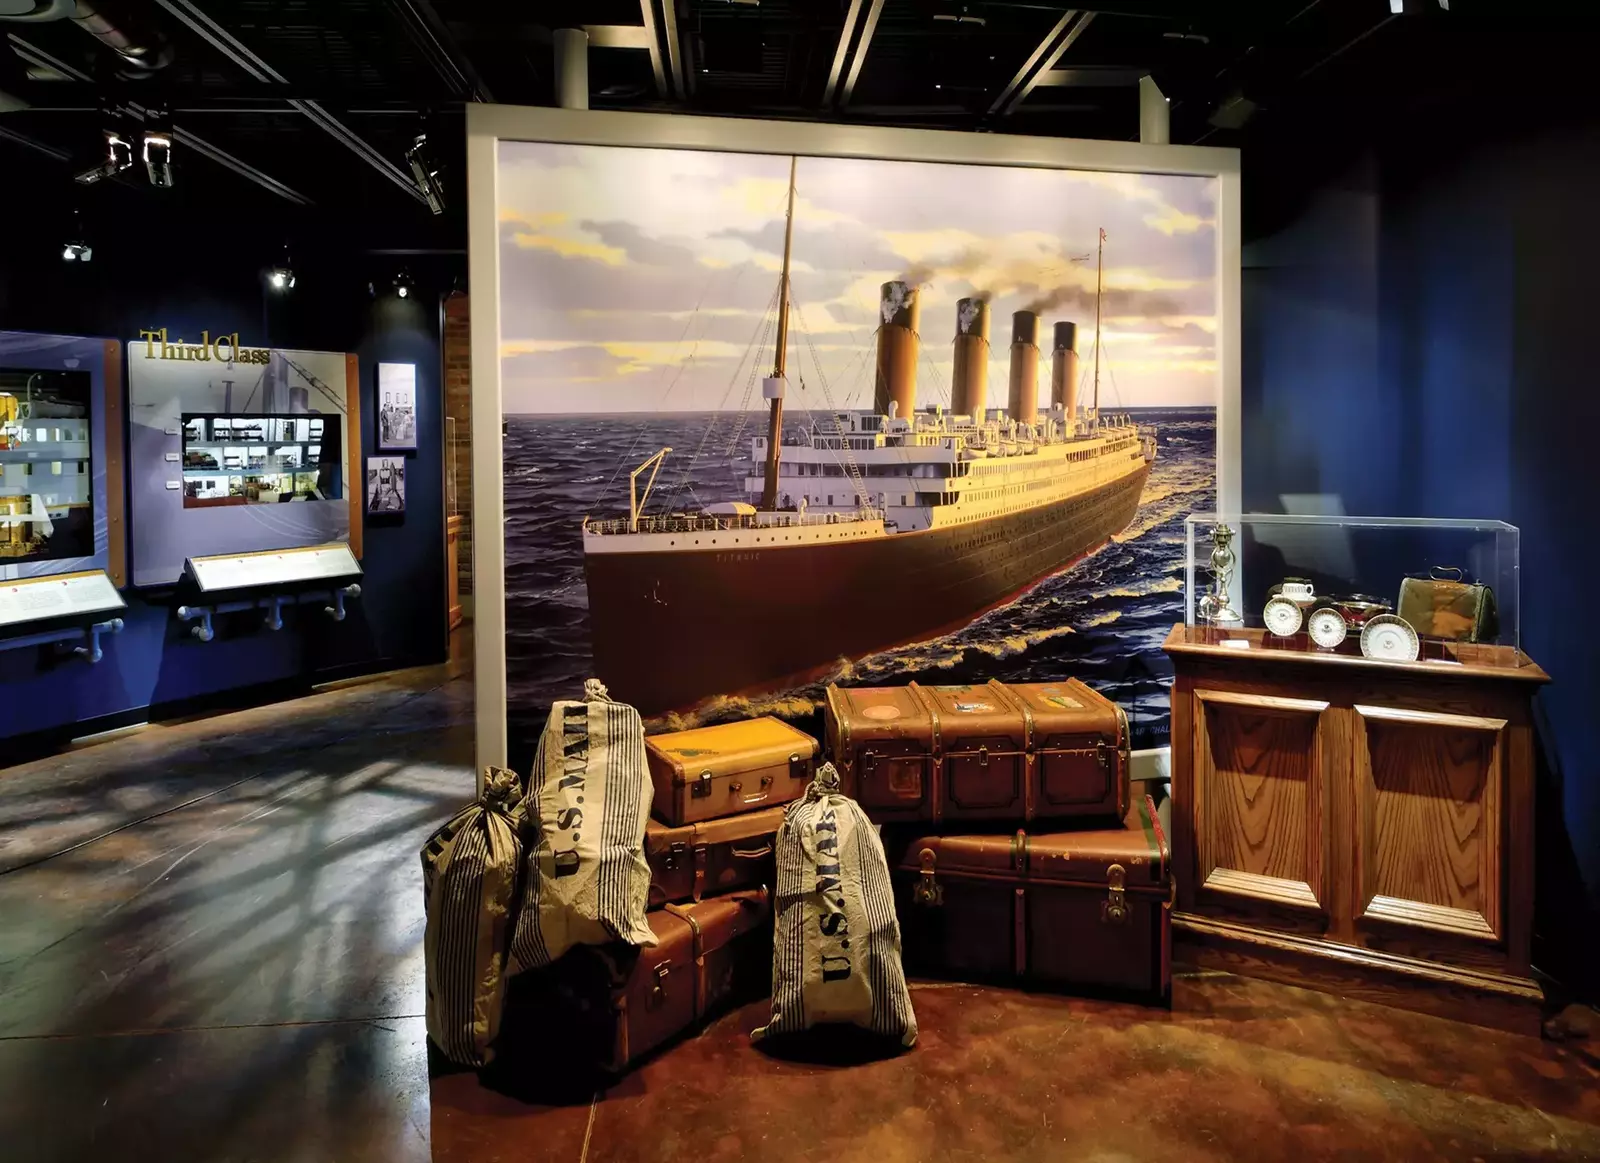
column 1074, row 892
column 627, row 886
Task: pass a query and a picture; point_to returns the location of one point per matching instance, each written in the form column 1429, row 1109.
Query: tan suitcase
column 711, row 858
column 712, row 772
column 1019, row 753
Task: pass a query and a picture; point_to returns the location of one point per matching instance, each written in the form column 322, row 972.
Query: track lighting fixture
column 158, row 149
column 404, row 284
column 281, row 276
column 425, row 173
column 77, row 248
column 118, row 150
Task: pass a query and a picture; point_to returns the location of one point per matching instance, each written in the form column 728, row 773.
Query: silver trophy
column 1214, row 607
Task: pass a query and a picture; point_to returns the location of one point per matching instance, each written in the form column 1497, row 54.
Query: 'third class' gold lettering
column 223, row 349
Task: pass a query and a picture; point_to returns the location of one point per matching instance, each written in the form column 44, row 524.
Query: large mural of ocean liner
column 875, row 483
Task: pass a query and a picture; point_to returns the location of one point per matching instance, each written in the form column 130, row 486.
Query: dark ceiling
column 285, row 109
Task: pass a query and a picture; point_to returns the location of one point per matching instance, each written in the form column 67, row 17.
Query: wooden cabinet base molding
column 1357, row 826
column 1484, row 999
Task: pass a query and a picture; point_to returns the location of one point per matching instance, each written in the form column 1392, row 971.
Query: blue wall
column 1420, row 340
column 400, row 618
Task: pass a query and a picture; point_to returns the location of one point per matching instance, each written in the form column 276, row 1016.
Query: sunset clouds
column 639, row 280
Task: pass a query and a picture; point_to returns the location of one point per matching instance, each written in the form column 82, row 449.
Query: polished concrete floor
column 210, row 949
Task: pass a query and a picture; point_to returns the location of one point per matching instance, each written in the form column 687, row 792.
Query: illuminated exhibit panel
column 260, row 460
column 46, row 482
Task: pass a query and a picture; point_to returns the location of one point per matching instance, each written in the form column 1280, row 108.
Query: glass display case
column 1400, row 590
column 46, row 481
column 260, row 460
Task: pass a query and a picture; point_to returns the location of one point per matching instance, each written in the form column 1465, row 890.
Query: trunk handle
column 752, row 853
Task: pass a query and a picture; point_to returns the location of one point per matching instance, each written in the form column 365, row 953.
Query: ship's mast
column 773, row 389
column 1099, row 293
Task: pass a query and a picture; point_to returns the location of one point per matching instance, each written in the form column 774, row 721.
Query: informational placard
column 274, row 568
column 62, row 596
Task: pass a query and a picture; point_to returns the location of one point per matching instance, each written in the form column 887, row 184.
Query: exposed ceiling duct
column 141, row 47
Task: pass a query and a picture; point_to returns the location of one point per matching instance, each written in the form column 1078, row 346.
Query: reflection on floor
column 210, row 949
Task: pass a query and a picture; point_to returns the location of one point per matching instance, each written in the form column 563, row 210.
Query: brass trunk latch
column 928, row 891
column 658, row 991
column 983, row 757
column 674, row 855
column 702, row 786
column 1102, row 754
column 1114, row 909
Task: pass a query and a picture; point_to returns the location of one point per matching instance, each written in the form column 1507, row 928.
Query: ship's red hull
column 673, row 629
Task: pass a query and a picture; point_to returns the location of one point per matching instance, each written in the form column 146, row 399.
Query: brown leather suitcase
column 1088, row 909
column 712, row 857
column 1020, row 753
column 712, row 772
column 604, row 1007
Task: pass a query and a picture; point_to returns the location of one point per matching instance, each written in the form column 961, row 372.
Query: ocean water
column 1102, row 621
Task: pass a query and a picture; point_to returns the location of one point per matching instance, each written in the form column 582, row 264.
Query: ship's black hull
column 673, row 629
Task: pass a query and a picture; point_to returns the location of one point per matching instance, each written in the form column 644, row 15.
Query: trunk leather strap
column 1019, row 912
column 1030, row 768
column 935, row 753
column 697, row 957
column 699, row 872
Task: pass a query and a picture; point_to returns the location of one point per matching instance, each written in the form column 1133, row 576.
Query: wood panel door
column 1262, row 766
column 1430, row 831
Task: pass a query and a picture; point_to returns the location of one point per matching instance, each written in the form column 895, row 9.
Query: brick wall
column 458, row 406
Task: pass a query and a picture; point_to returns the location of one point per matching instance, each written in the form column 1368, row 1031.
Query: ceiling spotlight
column 118, row 155
column 425, row 173
column 158, row 150
column 281, row 276
column 404, row 284
column 77, row 248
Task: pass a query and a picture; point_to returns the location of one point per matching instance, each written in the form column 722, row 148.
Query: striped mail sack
column 836, row 952
column 586, row 881
column 469, row 873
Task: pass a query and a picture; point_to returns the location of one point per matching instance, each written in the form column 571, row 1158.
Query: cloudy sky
column 646, row 279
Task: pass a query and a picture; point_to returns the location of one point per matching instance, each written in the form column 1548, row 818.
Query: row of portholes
column 829, row 537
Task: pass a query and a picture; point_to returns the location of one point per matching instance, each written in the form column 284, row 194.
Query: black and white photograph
column 397, row 406
column 386, row 484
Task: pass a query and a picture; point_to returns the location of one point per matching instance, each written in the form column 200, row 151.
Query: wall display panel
column 386, row 484
column 397, row 406
column 947, row 503
column 236, row 450
column 61, row 494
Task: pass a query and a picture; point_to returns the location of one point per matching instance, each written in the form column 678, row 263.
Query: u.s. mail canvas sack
column 585, row 880
column 836, row 951
column 469, row 878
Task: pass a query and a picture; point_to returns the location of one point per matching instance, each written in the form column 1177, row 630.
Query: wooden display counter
column 1360, row 827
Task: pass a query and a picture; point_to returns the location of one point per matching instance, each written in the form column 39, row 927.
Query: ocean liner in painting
column 865, row 530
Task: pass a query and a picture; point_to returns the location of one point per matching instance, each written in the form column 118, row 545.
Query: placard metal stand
column 59, row 610
column 269, row 581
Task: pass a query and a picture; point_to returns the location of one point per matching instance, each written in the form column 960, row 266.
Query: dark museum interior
column 1135, row 870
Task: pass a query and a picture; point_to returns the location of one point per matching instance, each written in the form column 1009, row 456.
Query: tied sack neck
column 500, row 790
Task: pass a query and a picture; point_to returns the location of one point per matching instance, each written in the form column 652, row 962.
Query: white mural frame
column 488, row 125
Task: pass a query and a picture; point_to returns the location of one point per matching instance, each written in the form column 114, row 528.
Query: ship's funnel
column 969, row 388
column 897, row 349
column 1024, row 400
column 1064, row 370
